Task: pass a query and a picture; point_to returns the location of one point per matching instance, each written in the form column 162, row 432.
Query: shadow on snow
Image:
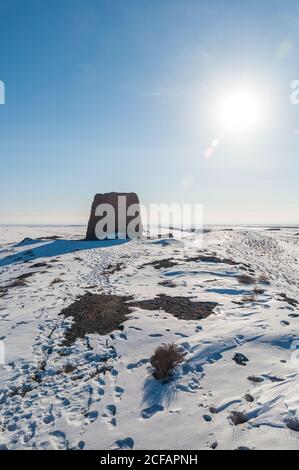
column 55, row 248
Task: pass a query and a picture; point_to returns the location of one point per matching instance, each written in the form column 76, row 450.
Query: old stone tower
column 114, row 215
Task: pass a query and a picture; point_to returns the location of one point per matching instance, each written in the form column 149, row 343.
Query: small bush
column 165, row 360
column 246, row 279
column 237, row 417
column 69, row 368
column 17, row 283
column 258, row 291
column 292, row 423
column 56, row 281
column 264, row 279
column 249, row 298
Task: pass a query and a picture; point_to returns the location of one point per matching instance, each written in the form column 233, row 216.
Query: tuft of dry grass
column 249, row 298
column 69, row 368
column 165, row 360
column 16, row 283
column 264, row 279
column 292, row 423
column 258, row 291
column 57, row 280
column 248, row 398
column 246, row 279
column 39, row 265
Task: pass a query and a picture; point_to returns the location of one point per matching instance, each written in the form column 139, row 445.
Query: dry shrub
column 246, row 279
column 237, row 417
column 166, row 358
column 69, row 368
column 292, row 423
column 56, row 281
column 264, row 279
column 17, row 283
column 249, row 298
column 258, row 291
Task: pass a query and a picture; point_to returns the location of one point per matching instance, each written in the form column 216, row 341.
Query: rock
column 240, row 359
column 110, row 219
column 249, row 398
column 255, row 379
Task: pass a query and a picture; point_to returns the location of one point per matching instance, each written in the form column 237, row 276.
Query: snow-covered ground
column 106, row 397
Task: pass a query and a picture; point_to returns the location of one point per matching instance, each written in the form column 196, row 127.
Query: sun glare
column 240, row 111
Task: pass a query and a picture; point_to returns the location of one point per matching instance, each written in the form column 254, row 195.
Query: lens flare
column 211, row 149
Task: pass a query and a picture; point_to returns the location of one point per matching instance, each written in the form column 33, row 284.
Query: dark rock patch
column 39, row 265
column 181, row 307
column 16, row 283
column 212, row 259
column 103, row 313
column 246, row 279
column 3, row 292
column 57, row 280
column 161, row 264
column 25, row 276
column 96, row 313
column 111, row 269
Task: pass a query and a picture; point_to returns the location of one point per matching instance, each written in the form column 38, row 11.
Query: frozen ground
column 99, row 393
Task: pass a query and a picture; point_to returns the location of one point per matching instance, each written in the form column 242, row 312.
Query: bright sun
column 240, row 111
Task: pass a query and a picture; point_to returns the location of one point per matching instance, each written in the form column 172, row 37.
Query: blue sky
column 117, row 95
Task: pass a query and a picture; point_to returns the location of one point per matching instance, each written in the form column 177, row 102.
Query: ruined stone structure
column 114, row 215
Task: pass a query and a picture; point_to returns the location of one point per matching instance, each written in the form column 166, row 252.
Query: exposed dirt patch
column 161, row 264
column 16, row 283
column 25, row 276
column 56, row 281
column 212, row 259
column 181, row 307
column 103, row 313
column 111, row 269
column 168, row 283
column 246, row 279
column 96, row 313
column 69, row 368
column 52, row 237
column 3, row 292
column 39, row 265
column 289, row 300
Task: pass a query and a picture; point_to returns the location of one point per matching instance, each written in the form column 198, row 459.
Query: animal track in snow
column 135, row 365
column 118, row 393
column 59, row 440
column 108, row 416
column 148, row 413
column 127, row 443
